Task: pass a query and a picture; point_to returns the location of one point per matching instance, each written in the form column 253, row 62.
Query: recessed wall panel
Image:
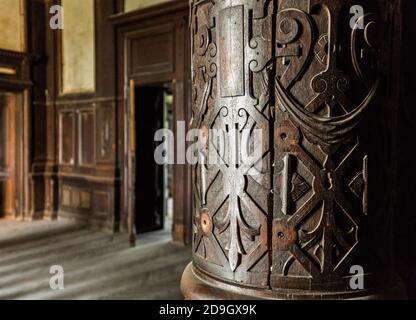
column 78, row 46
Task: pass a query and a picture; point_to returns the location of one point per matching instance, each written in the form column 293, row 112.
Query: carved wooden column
column 319, row 206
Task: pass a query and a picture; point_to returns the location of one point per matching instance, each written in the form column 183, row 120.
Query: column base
column 197, row 286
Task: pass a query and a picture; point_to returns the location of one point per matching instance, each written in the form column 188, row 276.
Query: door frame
column 173, row 18
column 132, row 147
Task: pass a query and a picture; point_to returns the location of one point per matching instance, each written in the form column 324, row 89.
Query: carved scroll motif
column 319, row 205
column 297, row 71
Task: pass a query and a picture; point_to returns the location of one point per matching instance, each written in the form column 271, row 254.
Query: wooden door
column 145, row 177
column 8, row 103
column 152, row 48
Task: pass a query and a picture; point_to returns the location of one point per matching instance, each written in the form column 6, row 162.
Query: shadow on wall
column 406, row 211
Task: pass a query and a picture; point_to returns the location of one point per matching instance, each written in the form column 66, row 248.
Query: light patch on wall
column 8, row 71
column 131, row 5
column 78, row 46
column 12, row 25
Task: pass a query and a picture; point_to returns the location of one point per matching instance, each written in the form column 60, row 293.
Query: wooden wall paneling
column 102, row 201
column 14, row 70
column 92, row 117
column 106, row 148
column 86, row 137
column 52, row 111
column 25, row 147
column 18, row 83
column 151, row 51
column 66, row 128
column 76, row 198
column 8, row 105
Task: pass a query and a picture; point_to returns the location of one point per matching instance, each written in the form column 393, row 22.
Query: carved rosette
column 297, row 70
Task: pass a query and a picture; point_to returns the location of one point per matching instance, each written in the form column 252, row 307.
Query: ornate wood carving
column 231, row 75
column 297, row 70
column 320, row 104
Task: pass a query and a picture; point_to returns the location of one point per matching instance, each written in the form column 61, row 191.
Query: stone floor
column 96, row 265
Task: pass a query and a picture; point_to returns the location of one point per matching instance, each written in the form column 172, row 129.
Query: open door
column 149, row 184
column 131, row 160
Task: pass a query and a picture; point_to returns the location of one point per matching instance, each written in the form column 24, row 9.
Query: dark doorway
column 153, row 182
